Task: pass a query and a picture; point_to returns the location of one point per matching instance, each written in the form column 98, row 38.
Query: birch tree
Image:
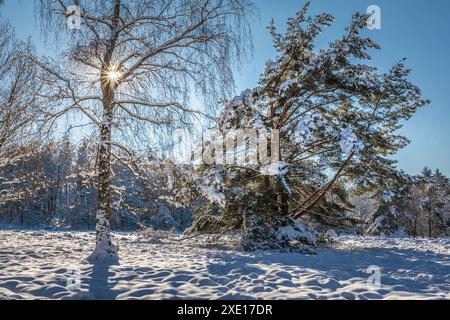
column 133, row 65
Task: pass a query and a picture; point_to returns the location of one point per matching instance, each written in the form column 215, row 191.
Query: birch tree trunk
column 104, row 247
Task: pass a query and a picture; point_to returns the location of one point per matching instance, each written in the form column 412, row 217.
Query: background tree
column 416, row 206
column 434, row 191
column 20, row 108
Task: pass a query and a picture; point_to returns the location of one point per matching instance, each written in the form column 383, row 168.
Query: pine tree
column 333, row 113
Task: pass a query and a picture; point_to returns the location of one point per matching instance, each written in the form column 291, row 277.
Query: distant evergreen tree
column 417, row 207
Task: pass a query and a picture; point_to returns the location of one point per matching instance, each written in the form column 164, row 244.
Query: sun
column 113, row 74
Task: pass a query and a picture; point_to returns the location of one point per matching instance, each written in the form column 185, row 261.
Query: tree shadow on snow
column 405, row 270
column 100, row 285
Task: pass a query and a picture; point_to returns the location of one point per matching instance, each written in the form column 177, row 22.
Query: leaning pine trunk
column 415, row 228
column 429, row 223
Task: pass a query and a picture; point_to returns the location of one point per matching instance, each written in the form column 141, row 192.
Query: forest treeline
column 54, row 187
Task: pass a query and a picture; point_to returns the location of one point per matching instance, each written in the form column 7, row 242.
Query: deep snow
column 37, row 265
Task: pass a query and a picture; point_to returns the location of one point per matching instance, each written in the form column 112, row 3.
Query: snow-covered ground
column 37, row 265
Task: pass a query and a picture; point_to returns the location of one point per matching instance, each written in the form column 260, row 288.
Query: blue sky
column 418, row 30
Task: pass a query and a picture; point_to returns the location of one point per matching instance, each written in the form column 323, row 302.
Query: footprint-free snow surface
column 41, row 264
